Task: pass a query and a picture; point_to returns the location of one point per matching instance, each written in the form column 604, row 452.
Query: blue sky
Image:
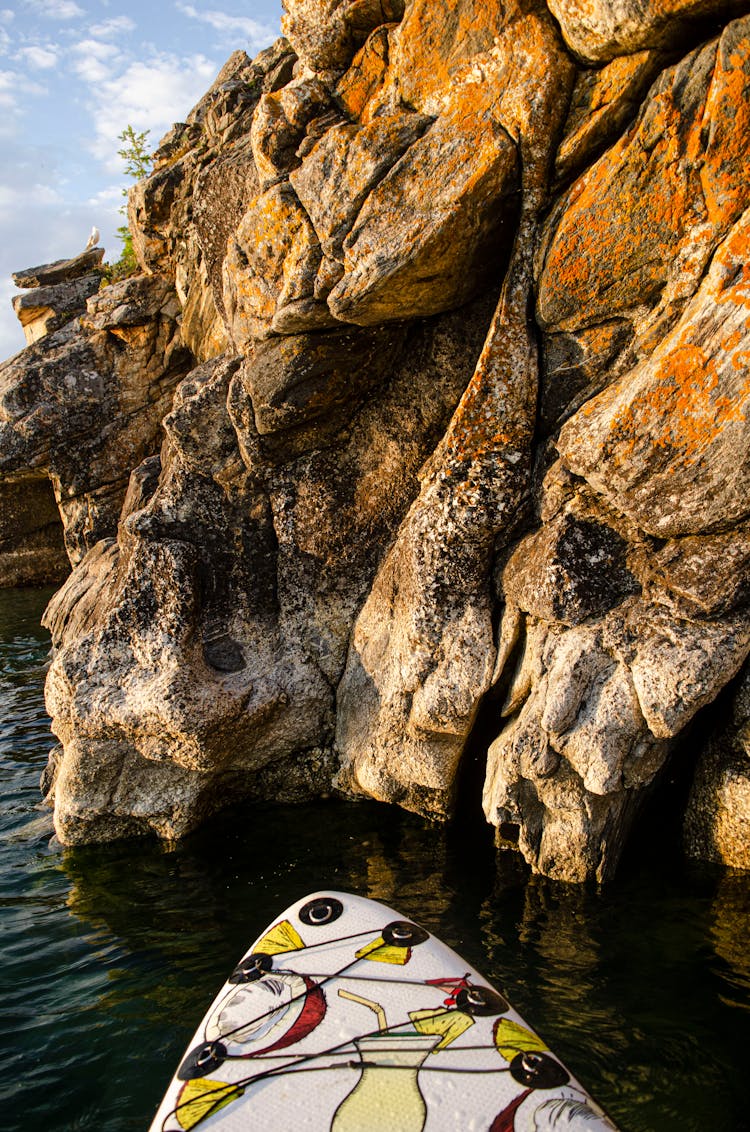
column 73, row 75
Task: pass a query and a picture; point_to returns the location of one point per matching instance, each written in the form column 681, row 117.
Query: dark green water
column 111, row 956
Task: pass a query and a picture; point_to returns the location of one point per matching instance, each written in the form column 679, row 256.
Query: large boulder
column 598, row 30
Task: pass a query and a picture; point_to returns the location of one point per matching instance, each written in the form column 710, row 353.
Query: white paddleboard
column 345, row 1017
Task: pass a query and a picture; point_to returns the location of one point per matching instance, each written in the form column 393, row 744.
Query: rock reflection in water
column 730, row 934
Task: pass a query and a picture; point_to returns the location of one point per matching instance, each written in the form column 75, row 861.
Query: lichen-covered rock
column 326, row 33
column 204, row 179
column 597, row 30
column 603, row 102
column 426, row 229
column 427, row 233
column 641, row 224
column 423, row 651
column 669, row 442
column 374, row 507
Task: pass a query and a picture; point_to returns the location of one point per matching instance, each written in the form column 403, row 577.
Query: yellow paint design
column 510, row 1039
column 282, row 937
column 380, row 952
column 450, row 1023
column 201, row 1098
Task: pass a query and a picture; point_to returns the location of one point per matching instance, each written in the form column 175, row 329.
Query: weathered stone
column 593, row 709
column 347, row 530
column 439, row 43
column 422, row 652
column 455, row 189
column 703, row 576
column 204, row 180
column 83, row 405
column 680, row 666
column 294, row 380
column 604, row 102
column 642, row 222
column 576, row 366
column 717, row 821
column 597, row 30
column 326, row 33
column 456, row 186
column 48, row 308
column 158, row 205
column 61, row 271
column 338, row 174
column 573, row 568
column 272, row 263
column 279, row 125
column 669, row 444
column 220, row 622
column 357, row 87
column 566, row 769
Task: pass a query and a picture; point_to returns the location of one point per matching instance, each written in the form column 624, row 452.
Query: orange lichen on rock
column 365, row 76
column 724, row 172
column 670, row 441
column 598, row 30
column 675, row 182
column 435, row 39
column 601, row 104
column 272, row 260
column 682, row 410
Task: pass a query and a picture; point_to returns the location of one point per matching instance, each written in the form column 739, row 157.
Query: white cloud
column 94, row 60
column 118, row 25
column 14, row 91
column 41, row 58
column 241, row 27
column 6, row 15
column 57, row 9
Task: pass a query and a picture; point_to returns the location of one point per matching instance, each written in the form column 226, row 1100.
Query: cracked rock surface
column 431, row 398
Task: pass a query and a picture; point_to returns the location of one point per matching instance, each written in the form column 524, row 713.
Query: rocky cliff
column 432, row 396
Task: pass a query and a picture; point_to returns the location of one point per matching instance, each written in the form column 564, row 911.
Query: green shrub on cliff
column 138, row 161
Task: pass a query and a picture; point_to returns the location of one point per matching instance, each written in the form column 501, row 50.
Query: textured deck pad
column 345, row 1016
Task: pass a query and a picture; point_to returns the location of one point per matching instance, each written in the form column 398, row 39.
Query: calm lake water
column 110, row 956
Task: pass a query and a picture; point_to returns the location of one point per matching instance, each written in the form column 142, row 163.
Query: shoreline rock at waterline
column 432, row 397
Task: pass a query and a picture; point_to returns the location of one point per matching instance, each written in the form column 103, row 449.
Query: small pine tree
column 138, row 161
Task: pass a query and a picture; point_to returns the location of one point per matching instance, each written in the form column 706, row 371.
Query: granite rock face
column 83, row 404
column 462, row 291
